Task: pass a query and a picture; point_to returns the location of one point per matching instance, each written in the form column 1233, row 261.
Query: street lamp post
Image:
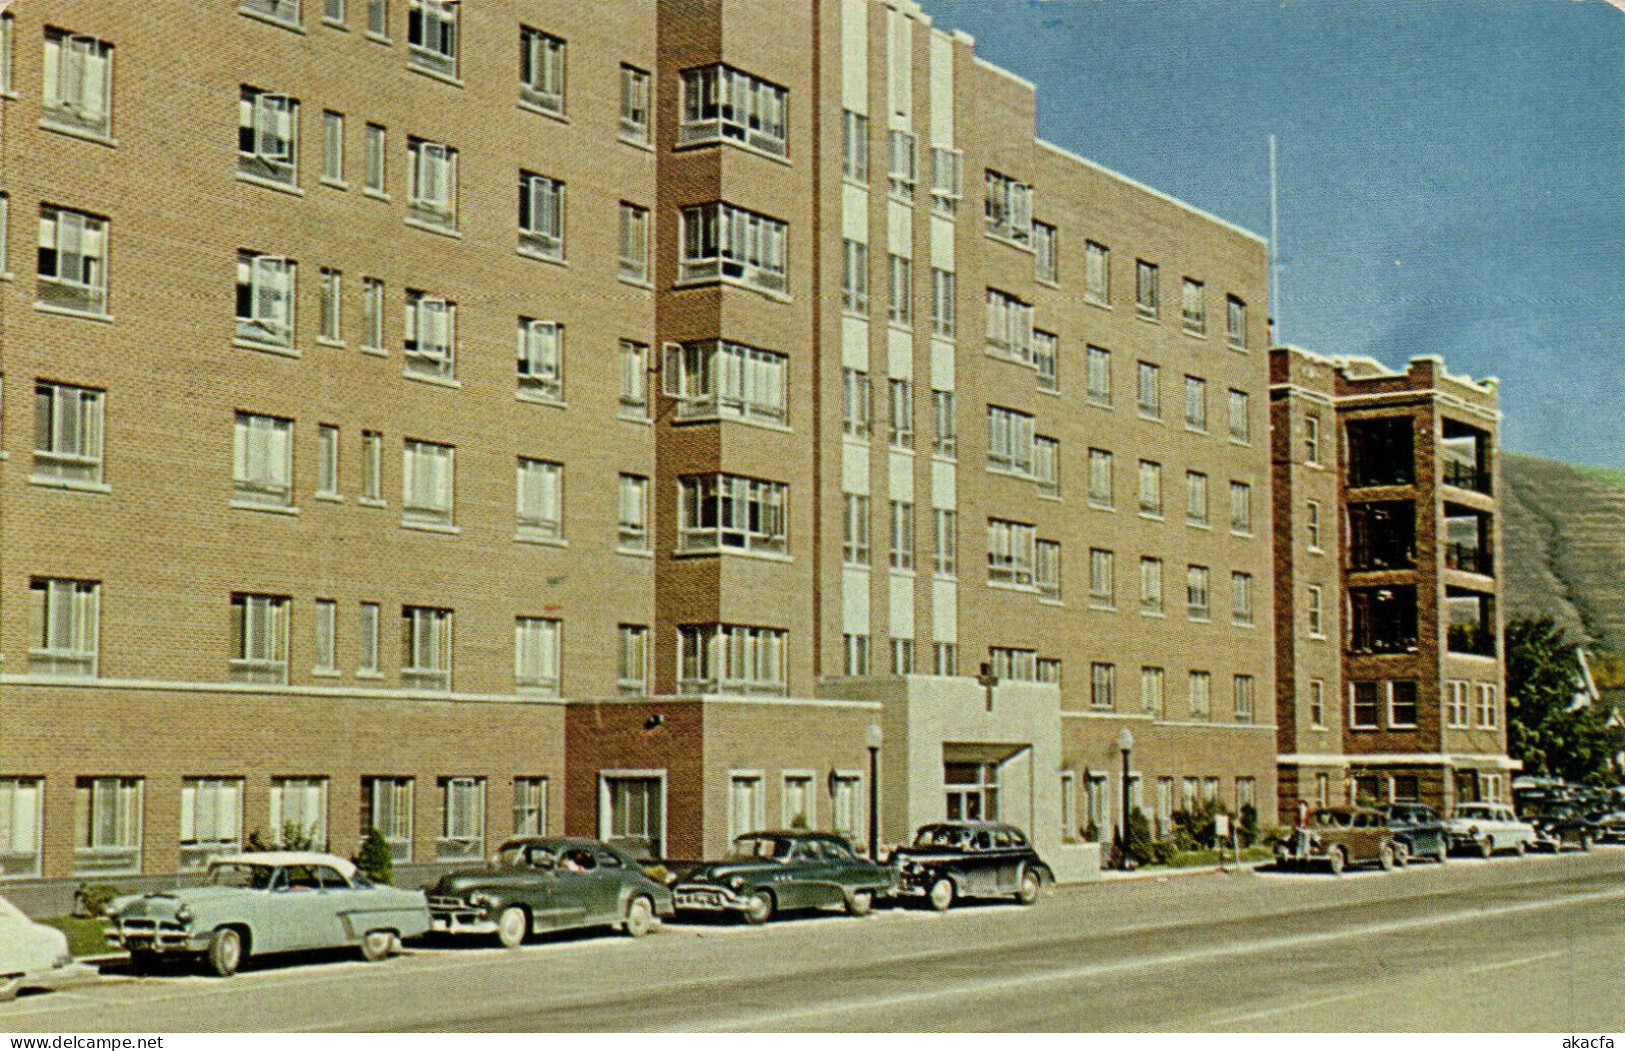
column 874, row 739
column 1125, row 743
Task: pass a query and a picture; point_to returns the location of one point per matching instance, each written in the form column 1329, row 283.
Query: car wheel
column 1030, row 885
column 1521, row 848
column 377, row 945
column 1337, row 861
column 1486, row 849
column 759, row 909
column 226, row 952
column 1585, row 841
column 942, row 894
column 1385, row 857
column 640, row 917
column 860, row 903
column 513, row 923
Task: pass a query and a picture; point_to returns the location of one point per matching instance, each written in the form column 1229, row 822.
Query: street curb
column 1115, row 876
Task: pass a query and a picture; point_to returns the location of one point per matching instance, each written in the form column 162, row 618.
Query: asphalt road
column 1504, row 945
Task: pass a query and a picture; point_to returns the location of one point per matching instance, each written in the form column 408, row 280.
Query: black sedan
column 772, row 872
column 969, row 859
column 1419, row 830
column 1561, row 824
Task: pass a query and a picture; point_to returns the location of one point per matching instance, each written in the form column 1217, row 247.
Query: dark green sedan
column 770, row 872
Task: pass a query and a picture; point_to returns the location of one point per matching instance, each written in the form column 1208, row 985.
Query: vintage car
column 1558, row 824
column 32, row 955
column 271, row 902
column 536, row 884
column 1610, row 824
column 770, row 872
column 1418, row 830
column 969, row 859
column 1485, row 828
column 1339, row 837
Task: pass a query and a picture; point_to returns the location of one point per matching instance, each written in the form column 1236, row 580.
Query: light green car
column 272, row 902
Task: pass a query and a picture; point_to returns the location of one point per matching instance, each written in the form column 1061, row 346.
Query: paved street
column 1499, row 945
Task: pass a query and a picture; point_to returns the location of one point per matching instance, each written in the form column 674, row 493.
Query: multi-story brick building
column 747, row 373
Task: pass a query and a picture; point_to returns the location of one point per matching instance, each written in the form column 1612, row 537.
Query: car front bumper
column 158, row 937
column 461, row 919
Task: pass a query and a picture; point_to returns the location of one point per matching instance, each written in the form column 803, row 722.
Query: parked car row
column 286, row 901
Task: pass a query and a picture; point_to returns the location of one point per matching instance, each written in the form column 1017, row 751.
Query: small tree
column 375, row 860
column 1140, row 842
column 1543, row 728
column 1247, row 827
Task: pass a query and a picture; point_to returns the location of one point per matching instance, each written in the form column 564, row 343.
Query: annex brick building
column 638, row 418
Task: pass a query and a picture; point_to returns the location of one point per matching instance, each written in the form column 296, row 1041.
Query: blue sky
column 1452, row 171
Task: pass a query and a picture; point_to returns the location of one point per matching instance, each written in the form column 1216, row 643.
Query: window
column 259, row 638
column 372, row 315
column 386, row 804
column 902, row 656
column 1243, row 692
column 856, row 650
column 1151, row 586
column 427, row 483
column 211, row 819
column 633, row 808
column 746, row 806
column 378, row 18
column 462, row 819
column 723, row 242
column 1149, row 397
column 1097, row 286
column 1488, row 708
column 846, row 806
column 529, row 806
column 1009, row 327
column 1195, row 403
column 333, row 11
column 8, row 33
column 1193, row 306
column 947, row 180
column 1046, row 357
column 799, row 804
column 900, row 306
column 5, row 201
column 855, row 146
column 426, row 647
column 731, row 658
column 1457, row 716
column 902, row 535
column 1363, row 703
column 262, row 457
column 1102, row 684
column 106, row 825
column 541, row 218
column 1235, row 327
column 377, row 159
column 724, row 511
column 1312, row 524
column 1241, row 598
column 1015, row 665
column 1317, row 703
column 72, row 260
column 1151, row 690
column 1150, row 489
column 68, row 433
column 78, row 78
column 717, row 378
column 431, row 33
column 431, row 193
column 900, row 397
column 539, row 500
column 1240, row 418
column 634, row 380
column 945, row 560
column 1010, row 552
column 855, row 530
column 1100, row 377
column 943, row 283
column 722, row 103
column 1047, row 465
column 1045, row 263
column 299, row 811
column 1402, row 704
column 944, row 658
column 268, row 136
column 541, row 359
column 265, row 299
column 632, row 658
column 1196, row 498
column 632, row 523
column 1009, row 441
column 367, row 640
column 64, row 625
column 634, row 263
column 1145, row 289
column 1196, row 592
column 430, row 336
column 947, row 428
column 1201, row 696
column 536, row 655
column 333, row 147
column 1314, row 611
column 902, row 173
column 855, row 277
column 634, row 105
column 20, row 806
column 1047, row 568
column 1009, row 208
column 332, row 300
column 1311, row 439
column 1100, row 479
column 541, row 75
column 326, row 637
column 372, row 467
column 1102, row 582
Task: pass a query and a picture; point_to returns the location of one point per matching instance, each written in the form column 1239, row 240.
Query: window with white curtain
column 265, row 298
column 541, row 216
column 427, row 483
column 299, row 811
column 724, row 511
column 268, row 136
column 632, row 523
column 529, row 806
column 64, row 625
column 731, row 658
column 72, row 260
column 539, row 510
column 426, row 647
column 386, row 804
column 541, row 70
column 432, row 183
column 78, row 78
column 68, row 433
column 211, row 819
column 462, row 819
column 722, row 103
column 632, row 658
column 719, row 378
column 431, row 35
column 723, row 241
column 107, row 825
column 541, row 359
column 430, row 336
column 259, row 638
column 262, row 458
column 20, row 811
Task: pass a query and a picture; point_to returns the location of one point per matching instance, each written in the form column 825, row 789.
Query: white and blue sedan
column 271, row 902
column 1488, row 828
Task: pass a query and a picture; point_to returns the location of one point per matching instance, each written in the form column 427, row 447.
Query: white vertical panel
column 854, row 601
column 902, row 608
column 943, row 493
column 899, row 68
column 854, row 213
column 855, row 55
column 899, row 354
column 944, row 611
column 942, row 90
column 942, row 365
column 900, row 485
column 900, row 229
column 855, row 343
column 942, row 243
column 854, row 469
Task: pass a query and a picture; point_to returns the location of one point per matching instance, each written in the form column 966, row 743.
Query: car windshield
column 941, row 836
column 746, row 847
column 1474, row 812
column 251, row 877
column 1333, row 819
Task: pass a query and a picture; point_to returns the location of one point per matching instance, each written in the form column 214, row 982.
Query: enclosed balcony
column 1470, row 622
column 1382, row 620
column 1467, row 541
column 1465, row 455
column 1382, row 536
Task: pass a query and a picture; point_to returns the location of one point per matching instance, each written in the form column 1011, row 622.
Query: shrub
column 1140, row 843
column 92, row 899
column 294, row 837
column 1193, row 828
column 1247, row 826
column 375, row 860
